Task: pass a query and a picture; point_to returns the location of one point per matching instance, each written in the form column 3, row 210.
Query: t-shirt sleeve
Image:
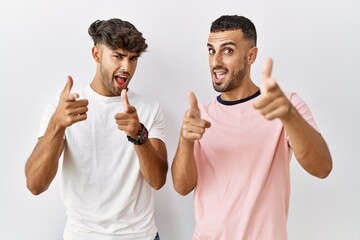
column 303, row 109
column 157, row 128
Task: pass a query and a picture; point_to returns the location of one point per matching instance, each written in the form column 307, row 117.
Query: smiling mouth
column 219, row 75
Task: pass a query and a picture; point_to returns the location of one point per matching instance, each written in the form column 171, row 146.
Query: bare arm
column 41, row 167
column 152, row 154
column 183, row 169
column 310, row 149
column 153, row 162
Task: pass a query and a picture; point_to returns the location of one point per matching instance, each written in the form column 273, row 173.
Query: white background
column 315, row 47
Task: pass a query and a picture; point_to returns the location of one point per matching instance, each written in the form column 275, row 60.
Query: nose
column 124, row 65
column 215, row 60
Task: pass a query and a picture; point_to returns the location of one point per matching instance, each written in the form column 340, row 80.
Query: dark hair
column 235, row 22
column 116, row 33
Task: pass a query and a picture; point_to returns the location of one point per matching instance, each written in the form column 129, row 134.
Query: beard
column 108, row 81
column 234, row 80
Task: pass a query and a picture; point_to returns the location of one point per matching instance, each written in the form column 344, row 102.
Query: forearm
column 42, row 165
column 153, row 162
column 184, row 172
column 310, row 149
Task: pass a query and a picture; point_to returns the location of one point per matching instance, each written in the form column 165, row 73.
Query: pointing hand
column 70, row 110
column 272, row 102
column 193, row 126
column 128, row 120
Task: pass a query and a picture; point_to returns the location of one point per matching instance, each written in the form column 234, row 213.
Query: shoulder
column 300, row 105
column 295, row 99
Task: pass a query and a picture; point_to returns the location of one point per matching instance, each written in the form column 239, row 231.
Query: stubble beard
column 234, row 81
column 108, row 82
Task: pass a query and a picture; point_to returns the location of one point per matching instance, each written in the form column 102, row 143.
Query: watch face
column 143, row 135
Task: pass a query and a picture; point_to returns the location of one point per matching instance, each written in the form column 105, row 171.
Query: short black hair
column 235, row 22
column 116, row 33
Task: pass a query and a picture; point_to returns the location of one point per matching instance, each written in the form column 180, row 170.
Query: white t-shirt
column 104, row 192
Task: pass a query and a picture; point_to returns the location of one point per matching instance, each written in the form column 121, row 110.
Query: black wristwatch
column 141, row 137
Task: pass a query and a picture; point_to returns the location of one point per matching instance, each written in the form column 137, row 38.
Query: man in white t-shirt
column 235, row 150
column 112, row 140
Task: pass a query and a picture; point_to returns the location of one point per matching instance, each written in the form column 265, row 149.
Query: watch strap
column 142, row 136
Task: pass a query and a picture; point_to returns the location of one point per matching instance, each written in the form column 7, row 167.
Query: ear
column 251, row 55
column 96, row 53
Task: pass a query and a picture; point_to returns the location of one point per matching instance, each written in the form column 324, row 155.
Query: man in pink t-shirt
column 235, row 150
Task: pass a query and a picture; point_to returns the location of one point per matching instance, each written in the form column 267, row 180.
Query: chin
column 218, row 88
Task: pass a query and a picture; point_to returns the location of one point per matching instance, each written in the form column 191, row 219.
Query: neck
column 241, row 92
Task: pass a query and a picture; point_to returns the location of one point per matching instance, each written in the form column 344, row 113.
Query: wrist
column 55, row 125
column 291, row 115
column 141, row 137
column 186, row 141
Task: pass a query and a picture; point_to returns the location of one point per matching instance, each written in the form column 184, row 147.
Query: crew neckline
column 230, row 103
column 103, row 98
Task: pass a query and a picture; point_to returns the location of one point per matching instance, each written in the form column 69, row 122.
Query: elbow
column 325, row 170
column 183, row 185
column 36, row 192
column 159, row 184
column 182, row 190
column 35, row 189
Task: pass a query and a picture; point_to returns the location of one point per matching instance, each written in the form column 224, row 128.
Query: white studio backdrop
column 315, row 49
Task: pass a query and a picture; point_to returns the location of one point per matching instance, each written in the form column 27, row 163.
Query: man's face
column 227, row 59
column 116, row 68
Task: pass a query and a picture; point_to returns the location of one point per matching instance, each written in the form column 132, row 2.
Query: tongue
column 120, row 80
column 219, row 77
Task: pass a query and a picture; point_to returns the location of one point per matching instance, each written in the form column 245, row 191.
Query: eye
column 134, row 59
column 228, row 51
column 116, row 56
column 211, row 51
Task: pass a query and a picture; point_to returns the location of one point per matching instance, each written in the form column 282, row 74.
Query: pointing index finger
column 194, row 110
column 267, row 69
column 193, row 101
column 266, row 76
column 65, row 94
column 68, row 85
column 124, row 98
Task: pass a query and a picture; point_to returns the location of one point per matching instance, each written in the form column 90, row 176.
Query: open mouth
column 121, row 79
column 219, row 75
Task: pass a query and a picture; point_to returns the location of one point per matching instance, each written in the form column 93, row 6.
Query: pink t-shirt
column 243, row 186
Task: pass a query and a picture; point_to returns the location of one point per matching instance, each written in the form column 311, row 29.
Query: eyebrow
column 119, row 53
column 124, row 54
column 223, row 44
